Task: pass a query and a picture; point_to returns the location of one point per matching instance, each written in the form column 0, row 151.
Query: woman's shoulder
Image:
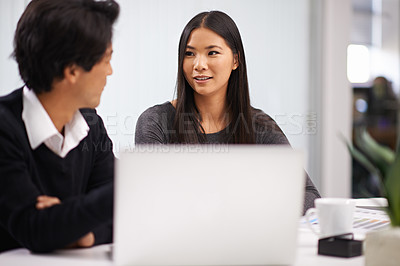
column 164, row 111
column 267, row 131
column 154, row 124
column 260, row 118
column 164, row 108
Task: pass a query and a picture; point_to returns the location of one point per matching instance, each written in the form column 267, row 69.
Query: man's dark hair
column 54, row 34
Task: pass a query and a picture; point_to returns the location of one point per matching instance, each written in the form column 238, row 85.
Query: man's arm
column 60, row 225
column 44, row 202
column 51, row 228
column 102, row 171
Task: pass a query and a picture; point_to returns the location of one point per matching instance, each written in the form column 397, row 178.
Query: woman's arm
column 311, row 194
column 267, row 131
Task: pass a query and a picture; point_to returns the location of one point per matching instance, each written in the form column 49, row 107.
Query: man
column 56, row 159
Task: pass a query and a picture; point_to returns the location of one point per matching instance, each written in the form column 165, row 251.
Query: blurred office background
column 305, row 59
column 373, row 69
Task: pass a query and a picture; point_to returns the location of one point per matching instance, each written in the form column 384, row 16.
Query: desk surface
column 101, row 255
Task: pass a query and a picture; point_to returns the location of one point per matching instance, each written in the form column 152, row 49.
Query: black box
column 340, row 246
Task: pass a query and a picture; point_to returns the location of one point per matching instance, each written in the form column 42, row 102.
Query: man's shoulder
column 88, row 112
column 12, row 127
column 90, row 115
column 12, row 99
column 11, row 106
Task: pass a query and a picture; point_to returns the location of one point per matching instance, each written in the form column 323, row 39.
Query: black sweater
column 155, row 125
column 83, row 181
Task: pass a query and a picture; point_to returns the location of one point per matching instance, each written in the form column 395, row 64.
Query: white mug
column 335, row 216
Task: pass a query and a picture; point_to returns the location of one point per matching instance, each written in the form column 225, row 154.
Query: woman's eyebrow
column 213, row 46
column 208, row 47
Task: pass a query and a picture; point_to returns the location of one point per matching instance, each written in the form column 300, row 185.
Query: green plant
column 385, row 163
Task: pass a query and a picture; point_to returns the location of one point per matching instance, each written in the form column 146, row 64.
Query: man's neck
column 58, row 107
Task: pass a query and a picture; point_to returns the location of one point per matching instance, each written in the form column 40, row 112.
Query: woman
column 213, row 103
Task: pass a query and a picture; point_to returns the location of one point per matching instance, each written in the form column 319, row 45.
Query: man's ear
column 235, row 61
column 71, row 73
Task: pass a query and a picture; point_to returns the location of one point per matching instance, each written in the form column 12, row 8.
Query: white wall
column 336, row 99
column 275, row 35
column 276, row 40
column 10, row 11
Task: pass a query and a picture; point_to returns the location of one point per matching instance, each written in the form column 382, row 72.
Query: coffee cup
column 334, row 215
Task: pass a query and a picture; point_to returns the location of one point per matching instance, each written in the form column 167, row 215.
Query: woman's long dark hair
column 187, row 119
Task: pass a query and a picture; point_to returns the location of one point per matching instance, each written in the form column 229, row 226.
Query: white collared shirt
column 40, row 128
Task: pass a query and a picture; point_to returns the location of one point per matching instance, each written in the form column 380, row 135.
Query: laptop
column 208, row 205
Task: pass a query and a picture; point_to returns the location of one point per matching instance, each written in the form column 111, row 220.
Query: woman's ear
column 235, row 61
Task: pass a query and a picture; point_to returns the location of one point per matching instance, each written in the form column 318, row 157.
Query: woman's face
column 208, row 63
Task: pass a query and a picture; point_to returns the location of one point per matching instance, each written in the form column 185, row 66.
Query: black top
column 83, row 181
column 155, row 126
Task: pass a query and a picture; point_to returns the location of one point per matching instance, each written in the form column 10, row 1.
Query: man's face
column 90, row 84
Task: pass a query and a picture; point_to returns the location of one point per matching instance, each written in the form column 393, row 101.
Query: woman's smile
column 202, row 79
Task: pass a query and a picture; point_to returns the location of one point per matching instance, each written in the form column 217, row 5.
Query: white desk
column 101, row 256
column 307, row 253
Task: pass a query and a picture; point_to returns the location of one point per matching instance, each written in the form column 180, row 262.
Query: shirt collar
column 40, row 128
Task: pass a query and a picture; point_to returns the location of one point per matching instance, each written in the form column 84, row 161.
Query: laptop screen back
column 208, row 205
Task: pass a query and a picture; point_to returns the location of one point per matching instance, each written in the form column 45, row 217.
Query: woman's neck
column 214, row 113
